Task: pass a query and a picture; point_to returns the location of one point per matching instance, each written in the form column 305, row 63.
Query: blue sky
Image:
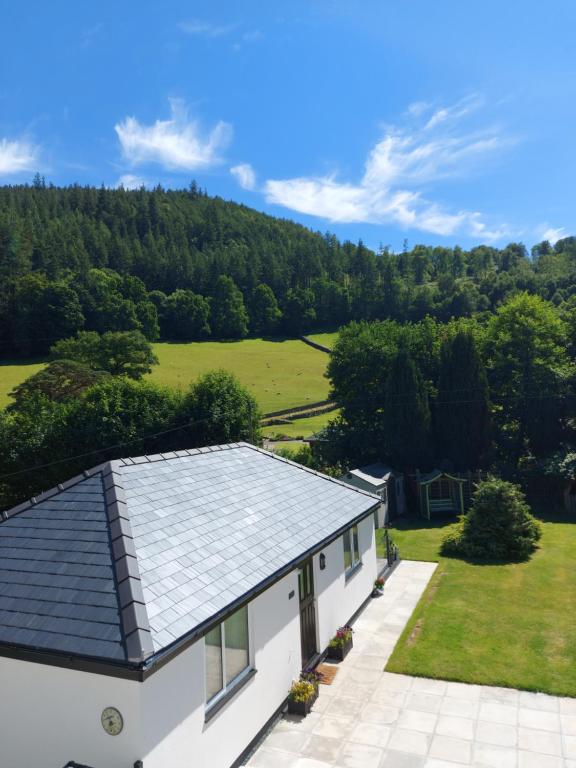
column 439, row 122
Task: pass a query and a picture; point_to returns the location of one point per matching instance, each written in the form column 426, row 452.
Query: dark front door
column 307, row 612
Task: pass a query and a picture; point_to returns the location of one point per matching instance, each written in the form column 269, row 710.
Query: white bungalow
column 154, row 610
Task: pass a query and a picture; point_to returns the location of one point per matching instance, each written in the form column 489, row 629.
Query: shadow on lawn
column 416, row 523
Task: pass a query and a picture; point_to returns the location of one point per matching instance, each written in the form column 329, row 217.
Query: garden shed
column 441, row 493
column 385, row 482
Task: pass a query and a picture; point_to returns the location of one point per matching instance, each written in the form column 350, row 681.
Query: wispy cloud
column 205, row 28
column 129, row 181
column 177, row 144
column 244, row 175
column 18, row 156
column 456, row 111
column 396, row 169
column 552, row 234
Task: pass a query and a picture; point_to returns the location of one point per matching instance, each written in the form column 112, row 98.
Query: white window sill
column 220, row 701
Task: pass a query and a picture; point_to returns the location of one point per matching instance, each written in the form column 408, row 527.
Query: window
column 351, row 549
column 226, row 653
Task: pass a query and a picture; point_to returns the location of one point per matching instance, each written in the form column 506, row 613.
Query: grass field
column 300, row 427
column 280, row 374
column 327, row 339
column 508, row 625
column 12, row 374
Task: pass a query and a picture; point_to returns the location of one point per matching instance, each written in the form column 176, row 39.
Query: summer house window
column 227, row 654
column 351, row 549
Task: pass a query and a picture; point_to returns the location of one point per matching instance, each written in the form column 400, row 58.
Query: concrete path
column 369, row 718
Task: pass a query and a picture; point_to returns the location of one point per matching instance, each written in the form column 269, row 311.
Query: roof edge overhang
column 140, row 670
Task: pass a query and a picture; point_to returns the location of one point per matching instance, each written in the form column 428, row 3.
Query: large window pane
column 213, row 642
column 236, row 643
column 347, row 551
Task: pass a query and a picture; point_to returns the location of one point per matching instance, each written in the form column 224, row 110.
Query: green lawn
column 12, row 374
column 300, row 427
column 509, row 625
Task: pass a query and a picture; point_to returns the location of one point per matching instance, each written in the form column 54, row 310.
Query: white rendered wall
column 174, row 732
column 49, row 716
column 337, row 599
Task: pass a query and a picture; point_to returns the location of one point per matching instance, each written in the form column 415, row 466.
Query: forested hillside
column 182, row 265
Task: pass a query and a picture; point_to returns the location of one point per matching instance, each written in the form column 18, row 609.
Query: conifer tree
column 462, row 412
column 406, row 417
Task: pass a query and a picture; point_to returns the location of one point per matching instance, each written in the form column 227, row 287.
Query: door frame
column 307, row 613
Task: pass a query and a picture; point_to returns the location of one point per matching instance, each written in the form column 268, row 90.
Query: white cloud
column 395, row 170
column 129, row 181
column 455, row 112
column 176, row 144
column 17, row 156
column 244, row 175
column 418, row 108
column 204, row 28
column 553, row 234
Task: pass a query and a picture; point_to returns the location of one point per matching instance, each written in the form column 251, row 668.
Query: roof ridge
column 149, row 458
column 308, row 469
column 132, row 606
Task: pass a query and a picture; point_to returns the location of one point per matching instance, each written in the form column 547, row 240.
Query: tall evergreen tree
column 406, row 417
column 462, row 409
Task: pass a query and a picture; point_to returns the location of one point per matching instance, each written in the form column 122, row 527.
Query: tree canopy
column 120, row 353
column 48, row 440
column 82, row 258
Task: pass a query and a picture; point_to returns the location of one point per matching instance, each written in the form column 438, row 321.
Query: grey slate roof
column 57, row 587
column 124, row 563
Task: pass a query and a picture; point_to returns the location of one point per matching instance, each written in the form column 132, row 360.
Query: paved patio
column 369, row 718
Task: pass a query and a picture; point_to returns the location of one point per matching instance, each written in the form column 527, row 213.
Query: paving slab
column 369, row 718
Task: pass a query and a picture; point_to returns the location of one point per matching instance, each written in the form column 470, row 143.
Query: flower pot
column 339, row 652
column 302, row 707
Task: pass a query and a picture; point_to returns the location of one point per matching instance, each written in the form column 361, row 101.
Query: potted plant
column 311, row 676
column 378, row 587
column 341, row 644
column 301, row 697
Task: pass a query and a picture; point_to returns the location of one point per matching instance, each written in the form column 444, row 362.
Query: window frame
column 213, row 704
column 351, row 536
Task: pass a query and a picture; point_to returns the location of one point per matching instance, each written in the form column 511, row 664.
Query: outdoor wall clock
column 112, row 721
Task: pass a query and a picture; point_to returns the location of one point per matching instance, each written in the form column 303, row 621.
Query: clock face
column 112, row 721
